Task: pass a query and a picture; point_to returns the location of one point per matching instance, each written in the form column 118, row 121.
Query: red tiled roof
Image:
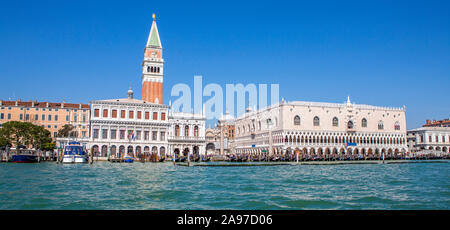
column 436, row 123
column 44, row 104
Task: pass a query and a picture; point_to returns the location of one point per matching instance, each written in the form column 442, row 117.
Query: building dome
column 130, row 93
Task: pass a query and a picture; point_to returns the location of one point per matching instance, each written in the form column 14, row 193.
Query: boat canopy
column 74, row 150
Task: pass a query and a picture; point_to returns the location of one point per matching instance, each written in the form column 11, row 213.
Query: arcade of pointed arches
column 332, row 142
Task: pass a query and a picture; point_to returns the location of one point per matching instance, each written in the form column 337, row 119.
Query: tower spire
column 153, row 38
column 153, row 67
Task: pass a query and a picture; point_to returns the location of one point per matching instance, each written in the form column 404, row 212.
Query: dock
column 259, row 164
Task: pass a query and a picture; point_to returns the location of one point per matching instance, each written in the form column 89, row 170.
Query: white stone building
column 429, row 138
column 322, row 128
column 128, row 125
column 187, row 134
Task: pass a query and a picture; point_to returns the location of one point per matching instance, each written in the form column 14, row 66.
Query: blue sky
column 387, row 53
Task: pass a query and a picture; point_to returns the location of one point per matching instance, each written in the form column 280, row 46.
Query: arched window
column 297, row 120
column 316, row 121
column 350, row 124
column 335, row 122
column 397, row 125
column 269, row 123
column 157, row 70
column 177, row 131
column 148, row 68
column 151, row 69
column 364, row 123
column 196, row 131
column 380, row 125
column 186, row 131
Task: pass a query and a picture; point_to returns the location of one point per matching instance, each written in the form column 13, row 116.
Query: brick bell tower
column 153, row 68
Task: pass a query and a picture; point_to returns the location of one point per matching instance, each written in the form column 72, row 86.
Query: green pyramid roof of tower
column 154, row 37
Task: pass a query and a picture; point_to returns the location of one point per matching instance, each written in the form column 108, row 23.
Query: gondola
column 162, row 159
column 208, row 159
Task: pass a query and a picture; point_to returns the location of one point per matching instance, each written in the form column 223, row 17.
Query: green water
column 164, row 186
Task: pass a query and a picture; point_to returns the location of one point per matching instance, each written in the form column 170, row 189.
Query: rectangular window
column 113, row 134
column 429, row 139
column 122, row 114
column 75, row 118
column 154, row 136
column 84, row 134
column 96, row 133
column 163, row 116
column 27, row 117
column 131, row 114
column 43, row 117
column 138, row 135
column 104, row 134
column 114, row 113
column 122, row 134
column 84, row 117
column 139, row 115
column 163, row 136
column 147, row 115
column 67, row 118
column 20, row 116
column 49, row 117
column 36, row 117
column 96, row 112
column 105, row 113
column 155, row 116
column 437, row 139
column 130, row 134
column 146, row 135
column 2, row 116
column 55, row 134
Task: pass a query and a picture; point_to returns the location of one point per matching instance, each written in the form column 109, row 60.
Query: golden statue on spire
column 154, row 16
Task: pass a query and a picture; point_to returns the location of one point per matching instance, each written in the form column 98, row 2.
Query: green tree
column 66, row 131
column 18, row 133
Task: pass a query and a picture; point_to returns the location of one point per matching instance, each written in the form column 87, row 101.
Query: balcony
column 186, row 138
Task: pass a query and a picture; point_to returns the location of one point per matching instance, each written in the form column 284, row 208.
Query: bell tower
column 153, row 68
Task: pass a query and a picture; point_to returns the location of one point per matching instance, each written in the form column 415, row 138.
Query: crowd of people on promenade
column 291, row 157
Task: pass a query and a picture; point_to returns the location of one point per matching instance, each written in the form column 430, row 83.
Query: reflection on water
column 164, row 186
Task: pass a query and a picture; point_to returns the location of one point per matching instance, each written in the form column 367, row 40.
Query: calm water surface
column 163, row 186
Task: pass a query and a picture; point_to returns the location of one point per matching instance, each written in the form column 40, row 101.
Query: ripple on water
column 163, row 186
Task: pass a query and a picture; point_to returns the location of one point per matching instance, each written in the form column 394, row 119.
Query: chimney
column 1, row 102
column 46, row 104
column 428, row 122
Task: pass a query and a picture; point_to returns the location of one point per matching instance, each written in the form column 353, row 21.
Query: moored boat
column 128, row 159
column 24, row 156
column 74, row 152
